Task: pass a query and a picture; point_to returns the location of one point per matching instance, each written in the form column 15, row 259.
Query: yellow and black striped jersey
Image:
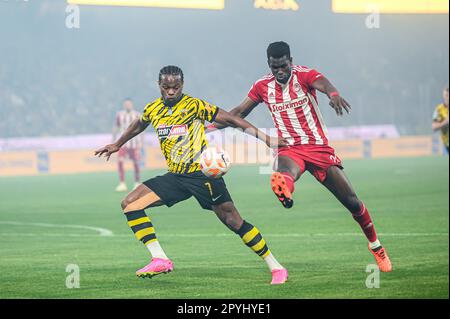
column 181, row 131
column 441, row 114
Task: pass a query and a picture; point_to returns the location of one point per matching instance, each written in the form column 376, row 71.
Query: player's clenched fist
column 108, row 150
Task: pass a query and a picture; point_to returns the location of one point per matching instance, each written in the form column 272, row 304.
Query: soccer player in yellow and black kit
column 440, row 119
column 179, row 122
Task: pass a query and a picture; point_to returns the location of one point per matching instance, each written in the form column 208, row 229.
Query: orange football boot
column 279, row 187
column 382, row 259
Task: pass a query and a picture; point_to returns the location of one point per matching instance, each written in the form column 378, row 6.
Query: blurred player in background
column 290, row 94
column 440, row 119
column 179, row 122
column 132, row 149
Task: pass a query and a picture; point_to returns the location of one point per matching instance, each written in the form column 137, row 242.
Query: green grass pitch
column 317, row 240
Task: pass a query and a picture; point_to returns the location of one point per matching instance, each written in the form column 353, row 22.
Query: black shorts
column 174, row 188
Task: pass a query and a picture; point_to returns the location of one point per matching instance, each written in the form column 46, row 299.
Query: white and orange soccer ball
column 215, row 162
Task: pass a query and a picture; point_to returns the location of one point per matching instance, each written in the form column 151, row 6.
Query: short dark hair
column 171, row 70
column 278, row 50
column 128, row 99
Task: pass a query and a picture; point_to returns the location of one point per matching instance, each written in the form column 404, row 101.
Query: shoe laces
column 381, row 253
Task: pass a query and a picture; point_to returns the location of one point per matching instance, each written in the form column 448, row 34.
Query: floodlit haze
column 60, row 81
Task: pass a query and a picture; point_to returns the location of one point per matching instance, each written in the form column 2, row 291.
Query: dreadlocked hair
column 171, row 70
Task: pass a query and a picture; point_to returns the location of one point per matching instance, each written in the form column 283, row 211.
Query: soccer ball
column 215, row 162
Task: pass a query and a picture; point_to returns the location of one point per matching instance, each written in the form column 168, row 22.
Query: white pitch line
column 101, row 231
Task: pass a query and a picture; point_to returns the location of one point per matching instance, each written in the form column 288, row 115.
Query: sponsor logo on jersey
column 293, row 104
column 165, row 131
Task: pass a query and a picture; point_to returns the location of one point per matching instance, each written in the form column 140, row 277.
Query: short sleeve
column 206, row 111
column 254, row 94
column 145, row 117
column 311, row 76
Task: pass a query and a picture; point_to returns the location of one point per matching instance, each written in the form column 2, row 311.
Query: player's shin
column 144, row 231
column 252, row 238
column 365, row 222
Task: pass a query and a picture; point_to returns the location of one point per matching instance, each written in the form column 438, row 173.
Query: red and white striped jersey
column 293, row 106
column 123, row 121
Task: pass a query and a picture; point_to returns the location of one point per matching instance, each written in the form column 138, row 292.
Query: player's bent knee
column 229, row 215
column 287, row 165
column 226, row 208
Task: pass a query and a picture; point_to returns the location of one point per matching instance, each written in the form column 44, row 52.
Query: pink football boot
column 279, row 276
column 156, row 267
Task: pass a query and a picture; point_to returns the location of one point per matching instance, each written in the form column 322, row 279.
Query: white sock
column 156, row 250
column 272, row 262
column 375, row 244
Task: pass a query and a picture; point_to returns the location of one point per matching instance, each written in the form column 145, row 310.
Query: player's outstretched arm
column 337, row 102
column 227, row 119
column 136, row 127
column 241, row 111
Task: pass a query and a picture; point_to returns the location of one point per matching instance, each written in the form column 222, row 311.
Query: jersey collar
column 288, row 81
column 176, row 104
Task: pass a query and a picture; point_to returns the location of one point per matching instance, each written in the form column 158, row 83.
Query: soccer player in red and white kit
column 290, row 95
column 132, row 149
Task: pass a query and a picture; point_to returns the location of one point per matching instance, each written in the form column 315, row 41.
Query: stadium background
column 60, row 89
column 57, row 81
column 60, row 81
